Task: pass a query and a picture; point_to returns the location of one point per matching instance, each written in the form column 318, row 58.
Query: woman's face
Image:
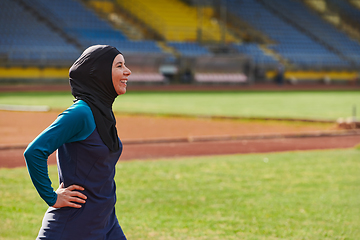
column 120, row 74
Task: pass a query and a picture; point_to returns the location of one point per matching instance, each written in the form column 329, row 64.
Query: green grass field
column 288, row 104
column 294, row 195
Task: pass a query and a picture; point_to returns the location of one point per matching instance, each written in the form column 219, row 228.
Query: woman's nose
column 128, row 71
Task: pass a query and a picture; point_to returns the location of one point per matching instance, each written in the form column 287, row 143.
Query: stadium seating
column 175, row 20
column 346, row 10
column 297, row 13
column 74, row 18
column 83, row 24
column 253, row 50
column 23, row 38
column 103, row 6
column 189, row 48
column 32, row 34
column 292, row 44
column 50, row 35
column 355, row 3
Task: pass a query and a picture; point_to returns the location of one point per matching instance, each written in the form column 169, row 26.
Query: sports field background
column 292, row 195
column 318, row 105
column 227, row 77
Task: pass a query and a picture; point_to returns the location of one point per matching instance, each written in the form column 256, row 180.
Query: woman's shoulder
column 78, row 118
column 79, row 108
column 78, row 111
column 80, row 105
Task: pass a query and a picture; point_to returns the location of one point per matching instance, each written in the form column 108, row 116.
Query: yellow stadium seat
column 177, row 21
column 103, row 6
column 34, row 73
column 316, row 75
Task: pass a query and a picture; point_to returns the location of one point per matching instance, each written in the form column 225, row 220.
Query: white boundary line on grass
column 25, row 108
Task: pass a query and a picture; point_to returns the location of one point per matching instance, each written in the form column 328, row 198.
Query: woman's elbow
column 29, row 151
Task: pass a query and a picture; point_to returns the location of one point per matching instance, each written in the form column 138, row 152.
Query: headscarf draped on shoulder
column 91, row 81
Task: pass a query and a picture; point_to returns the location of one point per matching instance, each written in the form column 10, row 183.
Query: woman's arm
column 74, row 124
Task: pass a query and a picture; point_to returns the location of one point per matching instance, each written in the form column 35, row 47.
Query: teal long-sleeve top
column 74, row 124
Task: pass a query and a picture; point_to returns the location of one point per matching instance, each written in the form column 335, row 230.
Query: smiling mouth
column 124, row 81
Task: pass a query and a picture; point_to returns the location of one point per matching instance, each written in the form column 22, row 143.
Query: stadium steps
column 168, row 49
column 291, row 43
column 110, row 11
column 348, row 17
column 148, row 32
column 275, row 55
column 355, row 3
column 41, row 16
column 175, row 20
column 190, row 49
column 318, row 5
column 290, row 21
column 305, row 28
column 27, row 40
column 332, row 16
column 245, row 31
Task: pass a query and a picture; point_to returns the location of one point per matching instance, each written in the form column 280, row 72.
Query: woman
column 85, row 135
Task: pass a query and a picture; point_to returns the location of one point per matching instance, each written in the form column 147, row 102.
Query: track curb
column 352, row 132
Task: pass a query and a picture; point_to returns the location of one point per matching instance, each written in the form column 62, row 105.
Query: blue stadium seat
column 346, row 9
column 88, row 29
column 299, row 15
column 189, row 48
column 253, row 50
column 292, row 44
column 24, row 38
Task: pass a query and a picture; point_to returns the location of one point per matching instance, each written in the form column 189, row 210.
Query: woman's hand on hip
column 68, row 197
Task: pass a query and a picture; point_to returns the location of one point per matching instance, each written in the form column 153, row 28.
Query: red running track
column 10, row 158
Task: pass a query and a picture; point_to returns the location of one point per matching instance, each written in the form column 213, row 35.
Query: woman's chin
column 121, row 92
